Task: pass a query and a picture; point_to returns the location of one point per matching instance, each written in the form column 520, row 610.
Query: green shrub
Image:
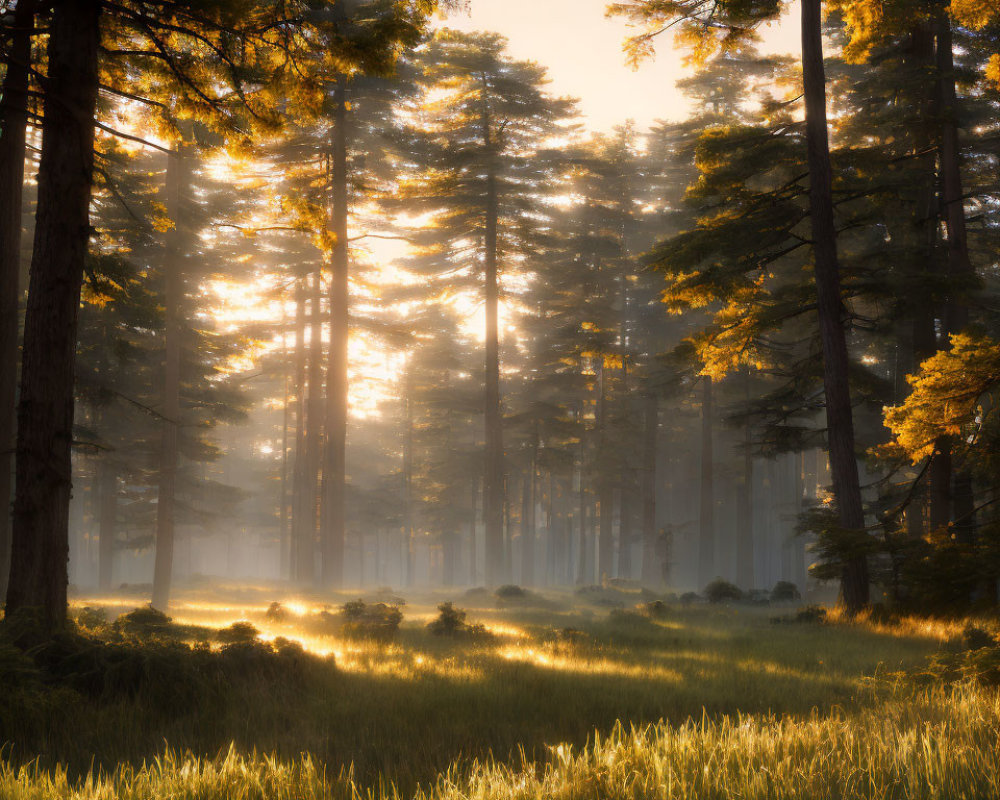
column 238, row 633
column 722, row 591
column 688, row 598
column 785, row 592
column 276, row 613
column 510, row 592
column 143, row 622
column 451, row 622
column 92, row 619
column 370, row 621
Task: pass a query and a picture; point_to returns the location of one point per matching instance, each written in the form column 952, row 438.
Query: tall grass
column 938, row 743
column 408, row 711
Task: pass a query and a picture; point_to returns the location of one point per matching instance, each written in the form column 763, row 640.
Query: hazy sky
column 583, row 52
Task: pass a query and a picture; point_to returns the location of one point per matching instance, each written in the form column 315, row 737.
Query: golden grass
column 779, row 711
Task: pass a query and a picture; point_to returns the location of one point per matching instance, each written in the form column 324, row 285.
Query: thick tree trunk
column 706, row 516
column 177, row 179
column 40, row 544
column 13, row 123
column 493, row 489
column 839, row 413
column 335, row 443
column 651, row 572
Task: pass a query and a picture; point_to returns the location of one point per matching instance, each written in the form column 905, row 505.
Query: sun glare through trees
column 499, row 398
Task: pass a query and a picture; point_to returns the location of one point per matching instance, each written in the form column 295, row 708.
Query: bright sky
column 583, row 52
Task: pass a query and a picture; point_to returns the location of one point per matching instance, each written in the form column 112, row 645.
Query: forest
column 376, row 422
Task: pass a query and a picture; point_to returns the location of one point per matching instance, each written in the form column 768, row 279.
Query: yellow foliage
column 945, row 400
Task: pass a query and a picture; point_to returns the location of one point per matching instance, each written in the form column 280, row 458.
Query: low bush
column 785, row 592
column 451, row 622
column 376, row 621
column 238, row 633
column 276, row 613
column 722, row 591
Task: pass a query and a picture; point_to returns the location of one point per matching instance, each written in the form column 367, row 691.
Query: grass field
column 559, row 697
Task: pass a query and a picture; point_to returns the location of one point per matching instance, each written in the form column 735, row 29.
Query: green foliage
column 377, row 621
column 722, row 591
column 451, row 622
column 144, row 622
column 242, row 633
column 785, row 592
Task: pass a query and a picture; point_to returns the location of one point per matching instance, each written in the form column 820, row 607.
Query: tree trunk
column 959, row 263
column 13, row 123
column 493, row 489
column 108, row 519
column 335, row 450
column 706, row 516
column 40, row 543
column 299, row 513
column 473, row 556
column 528, row 523
column 283, row 530
column 839, row 413
column 744, row 520
column 606, row 489
column 173, row 268
column 582, row 560
column 314, row 432
column 408, row 480
column 651, row 572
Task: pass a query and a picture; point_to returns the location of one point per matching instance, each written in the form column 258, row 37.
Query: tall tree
column 483, row 165
column 721, row 26
column 13, row 126
column 39, row 553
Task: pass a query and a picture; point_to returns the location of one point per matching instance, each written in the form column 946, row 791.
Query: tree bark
column 335, row 442
column 493, row 489
column 14, row 121
column 606, row 489
column 839, row 413
column 744, row 521
column 107, row 522
column 177, row 179
column 40, row 543
column 528, row 522
column 959, row 263
column 306, row 569
column 299, row 513
column 706, row 517
column 651, row 572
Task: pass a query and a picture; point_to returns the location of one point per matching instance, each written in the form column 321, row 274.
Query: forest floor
column 601, row 694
